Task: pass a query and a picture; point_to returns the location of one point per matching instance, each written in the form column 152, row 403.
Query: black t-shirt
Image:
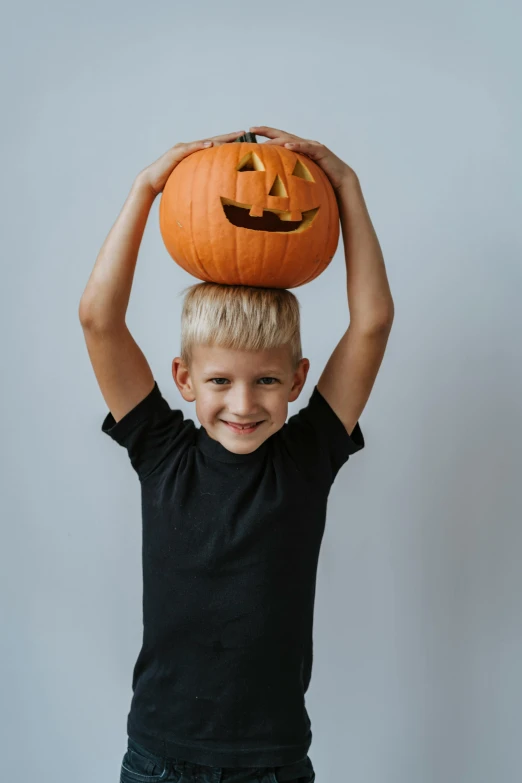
column 230, row 549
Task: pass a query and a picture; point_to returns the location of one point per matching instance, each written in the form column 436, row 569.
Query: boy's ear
column 300, row 376
column 181, row 375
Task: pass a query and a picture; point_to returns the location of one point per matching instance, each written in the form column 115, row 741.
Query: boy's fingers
column 271, row 133
column 215, row 141
column 226, row 136
column 311, row 148
column 274, row 135
column 221, row 137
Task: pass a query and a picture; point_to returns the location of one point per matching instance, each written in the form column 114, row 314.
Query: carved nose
column 278, row 188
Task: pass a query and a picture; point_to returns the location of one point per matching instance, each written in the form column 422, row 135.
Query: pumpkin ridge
column 201, row 268
column 236, row 185
column 285, row 251
column 287, row 236
column 210, row 225
column 239, row 276
column 313, row 272
column 318, row 178
column 263, row 254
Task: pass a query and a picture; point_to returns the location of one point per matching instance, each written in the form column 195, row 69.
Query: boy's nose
column 242, row 407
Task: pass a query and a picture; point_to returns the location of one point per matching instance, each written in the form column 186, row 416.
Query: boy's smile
column 241, row 396
column 242, row 429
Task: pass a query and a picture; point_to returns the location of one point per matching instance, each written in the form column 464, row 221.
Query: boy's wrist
column 142, row 184
column 349, row 183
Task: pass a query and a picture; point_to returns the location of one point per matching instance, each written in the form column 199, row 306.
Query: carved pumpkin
column 250, row 214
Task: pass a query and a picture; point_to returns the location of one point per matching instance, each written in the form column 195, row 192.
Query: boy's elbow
column 385, row 317
column 380, row 321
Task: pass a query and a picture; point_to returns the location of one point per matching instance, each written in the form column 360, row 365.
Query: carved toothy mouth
column 273, row 220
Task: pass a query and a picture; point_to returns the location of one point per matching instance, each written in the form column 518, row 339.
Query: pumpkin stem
column 250, row 137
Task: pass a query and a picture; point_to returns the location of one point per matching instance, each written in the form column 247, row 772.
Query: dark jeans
column 141, row 766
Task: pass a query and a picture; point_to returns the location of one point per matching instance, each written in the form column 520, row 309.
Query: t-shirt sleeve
column 151, row 432
column 318, row 441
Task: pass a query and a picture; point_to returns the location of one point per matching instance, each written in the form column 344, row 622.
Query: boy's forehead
column 209, row 356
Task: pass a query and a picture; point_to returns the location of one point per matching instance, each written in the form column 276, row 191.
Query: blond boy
column 234, row 510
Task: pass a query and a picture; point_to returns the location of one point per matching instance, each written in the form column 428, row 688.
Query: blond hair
column 240, row 317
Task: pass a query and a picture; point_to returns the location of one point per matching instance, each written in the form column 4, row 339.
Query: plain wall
column 417, row 635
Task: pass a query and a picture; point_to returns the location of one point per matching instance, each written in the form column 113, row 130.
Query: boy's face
column 240, row 387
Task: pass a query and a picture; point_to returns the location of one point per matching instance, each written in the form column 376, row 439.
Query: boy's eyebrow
column 216, row 371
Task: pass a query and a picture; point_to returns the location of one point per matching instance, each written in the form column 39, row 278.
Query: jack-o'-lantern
column 250, row 214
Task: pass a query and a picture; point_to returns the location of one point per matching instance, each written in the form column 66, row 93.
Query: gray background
column 418, row 627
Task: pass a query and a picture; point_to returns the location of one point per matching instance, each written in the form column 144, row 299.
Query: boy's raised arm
column 106, row 297
column 349, row 375
column 121, row 369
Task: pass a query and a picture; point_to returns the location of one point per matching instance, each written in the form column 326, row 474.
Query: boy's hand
column 337, row 170
column 157, row 174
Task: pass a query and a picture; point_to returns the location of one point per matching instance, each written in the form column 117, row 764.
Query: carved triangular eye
column 250, row 162
column 300, row 170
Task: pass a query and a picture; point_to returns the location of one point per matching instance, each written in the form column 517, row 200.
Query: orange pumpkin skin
column 236, row 182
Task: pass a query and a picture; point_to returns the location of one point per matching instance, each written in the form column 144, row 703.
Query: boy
column 233, row 511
